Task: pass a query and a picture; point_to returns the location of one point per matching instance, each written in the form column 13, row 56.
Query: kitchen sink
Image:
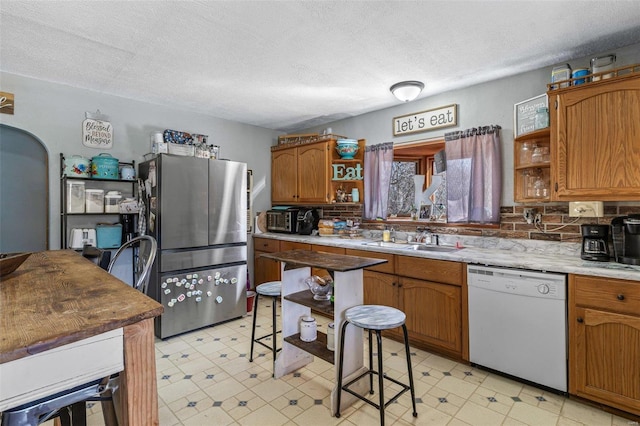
column 387, row 244
column 423, row 247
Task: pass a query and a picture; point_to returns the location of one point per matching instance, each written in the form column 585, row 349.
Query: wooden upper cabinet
column 595, row 140
column 313, row 173
column 300, row 174
column 284, row 176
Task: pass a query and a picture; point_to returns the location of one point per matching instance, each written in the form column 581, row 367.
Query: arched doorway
column 24, row 192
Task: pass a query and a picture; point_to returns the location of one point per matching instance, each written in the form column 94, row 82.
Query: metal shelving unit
column 99, row 182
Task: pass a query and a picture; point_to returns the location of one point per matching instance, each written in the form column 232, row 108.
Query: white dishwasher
column 518, row 323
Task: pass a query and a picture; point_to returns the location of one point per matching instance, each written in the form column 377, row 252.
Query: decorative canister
column 355, row 195
column 580, row 72
column 602, row 64
column 127, row 173
column 308, row 329
column 561, row 73
column 331, row 336
column 104, row 166
column 77, row 166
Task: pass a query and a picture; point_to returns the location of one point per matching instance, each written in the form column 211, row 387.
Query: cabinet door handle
column 620, row 297
column 399, row 285
column 556, row 186
column 580, row 320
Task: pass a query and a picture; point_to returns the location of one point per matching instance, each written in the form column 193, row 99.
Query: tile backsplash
column 556, row 223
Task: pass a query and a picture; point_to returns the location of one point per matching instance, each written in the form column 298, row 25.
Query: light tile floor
column 205, row 378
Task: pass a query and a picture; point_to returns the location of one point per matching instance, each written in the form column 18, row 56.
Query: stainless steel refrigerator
column 197, row 210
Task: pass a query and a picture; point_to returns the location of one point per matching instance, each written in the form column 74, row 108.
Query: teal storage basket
column 109, row 236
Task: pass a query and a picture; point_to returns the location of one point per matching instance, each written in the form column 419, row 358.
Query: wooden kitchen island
column 297, row 301
column 60, row 317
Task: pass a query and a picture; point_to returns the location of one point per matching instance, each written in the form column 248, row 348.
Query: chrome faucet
column 392, row 230
column 422, row 235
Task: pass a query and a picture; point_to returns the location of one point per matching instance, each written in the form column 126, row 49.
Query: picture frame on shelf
column 524, row 114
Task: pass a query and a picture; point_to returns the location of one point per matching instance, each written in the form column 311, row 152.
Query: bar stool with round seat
column 271, row 289
column 375, row 318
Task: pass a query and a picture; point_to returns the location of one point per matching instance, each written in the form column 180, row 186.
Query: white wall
column 480, row 105
column 54, row 113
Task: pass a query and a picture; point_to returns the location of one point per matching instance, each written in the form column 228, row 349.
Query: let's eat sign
column 424, row 121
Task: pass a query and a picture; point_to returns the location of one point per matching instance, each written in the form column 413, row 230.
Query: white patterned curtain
column 474, row 175
column 378, row 160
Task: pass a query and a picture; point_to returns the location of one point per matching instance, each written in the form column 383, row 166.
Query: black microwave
column 284, row 220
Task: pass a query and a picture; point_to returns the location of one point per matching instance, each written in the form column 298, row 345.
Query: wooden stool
column 376, row 318
column 271, row 289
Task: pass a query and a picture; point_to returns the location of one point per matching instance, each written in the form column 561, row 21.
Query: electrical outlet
column 529, row 215
column 538, row 219
column 586, row 209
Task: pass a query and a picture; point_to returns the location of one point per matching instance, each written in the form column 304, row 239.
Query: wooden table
column 297, row 301
column 56, row 298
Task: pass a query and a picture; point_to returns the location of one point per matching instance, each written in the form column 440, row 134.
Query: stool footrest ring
column 258, row 340
column 368, row 401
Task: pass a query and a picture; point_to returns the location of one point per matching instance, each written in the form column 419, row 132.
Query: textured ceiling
column 289, row 65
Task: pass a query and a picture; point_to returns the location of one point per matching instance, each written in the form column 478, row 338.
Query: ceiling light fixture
column 407, row 91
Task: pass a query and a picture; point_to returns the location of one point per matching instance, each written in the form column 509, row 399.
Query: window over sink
column 413, row 170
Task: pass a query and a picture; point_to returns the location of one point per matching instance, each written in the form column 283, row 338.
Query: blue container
column 580, row 72
column 347, row 148
column 104, row 166
column 109, row 236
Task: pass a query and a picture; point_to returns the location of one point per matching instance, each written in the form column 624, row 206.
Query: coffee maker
column 307, row 221
column 626, row 239
column 595, row 243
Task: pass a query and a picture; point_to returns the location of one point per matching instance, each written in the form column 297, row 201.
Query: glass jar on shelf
column 526, row 152
column 540, row 188
column 541, row 119
column 528, row 179
column 536, row 156
column 546, row 154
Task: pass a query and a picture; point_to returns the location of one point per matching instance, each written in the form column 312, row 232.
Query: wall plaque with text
column 97, row 134
column 424, row 121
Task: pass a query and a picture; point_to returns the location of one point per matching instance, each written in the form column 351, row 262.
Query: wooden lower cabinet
column 604, row 341
column 434, row 314
column 265, row 270
column 434, row 303
column 382, row 289
column 431, row 293
column 292, row 245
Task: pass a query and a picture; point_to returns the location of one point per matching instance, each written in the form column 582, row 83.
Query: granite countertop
column 512, row 253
